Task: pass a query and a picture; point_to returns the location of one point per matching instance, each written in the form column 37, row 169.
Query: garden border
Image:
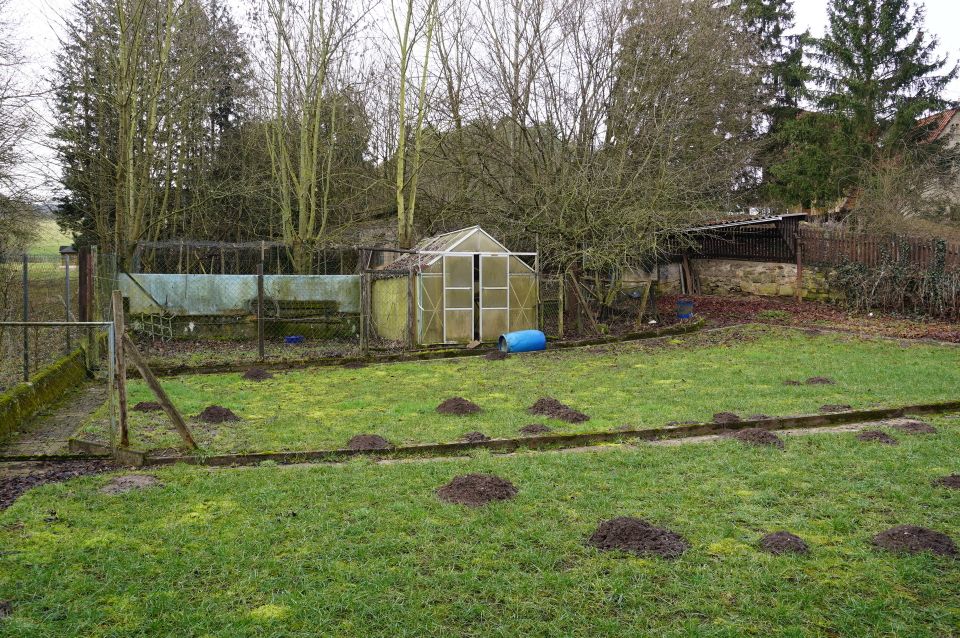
column 554, row 441
column 419, row 355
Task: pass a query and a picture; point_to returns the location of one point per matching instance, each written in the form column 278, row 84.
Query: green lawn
column 640, row 384
column 49, row 239
column 367, row 550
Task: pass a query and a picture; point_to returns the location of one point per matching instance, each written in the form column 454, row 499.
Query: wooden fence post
column 260, row 330
column 798, row 249
column 118, row 332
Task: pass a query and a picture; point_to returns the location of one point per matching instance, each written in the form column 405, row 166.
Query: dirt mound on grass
column 638, row 537
column 951, row 481
column 458, row 406
column 217, row 414
column 354, row 365
column 496, row 355
column 783, row 542
column 834, row 407
column 13, row 487
column 147, row 406
column 757, row 436
column 550, row 407
column 877, row 436
column 368, row 442
column 129, row 483
column 535, row 428
column 257, row 374
column 474, row 437
column 910, row 539
column 475, row 490
column 914, row 426
column 726, row 417
column 820, row 381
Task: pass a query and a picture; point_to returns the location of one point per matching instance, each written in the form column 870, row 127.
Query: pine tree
column 877, row 68
column 781, row 53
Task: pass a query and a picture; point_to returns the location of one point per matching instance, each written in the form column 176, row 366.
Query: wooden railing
column 832, row 248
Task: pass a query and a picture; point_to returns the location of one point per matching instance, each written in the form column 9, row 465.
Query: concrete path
column 48, row 431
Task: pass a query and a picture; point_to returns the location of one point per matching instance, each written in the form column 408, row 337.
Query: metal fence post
column 260, row 338
column 66, row 294
column 26, row 317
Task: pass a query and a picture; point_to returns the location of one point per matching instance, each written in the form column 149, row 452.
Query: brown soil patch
column 13, row 487
column 475, row 490
column 129, row 483
column 458, row 406
column 914, row 427
column 757, row 436
column 6, row 608
column 496, row 355
column 217, row 414
column 368, row 442
column 355, row 365
column 147, row 406
column 726, row 417
column 835, row 407
column 877, row 436
column 792, row 382
column 820, row 381
column 535, row 428
column 951, row 481
column 638, row 537
column 550, row 407
column 784, row 543
column 474, row 437
column 257, row 374
column 910, row 539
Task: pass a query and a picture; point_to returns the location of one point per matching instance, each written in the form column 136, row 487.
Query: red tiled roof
column 937, row 123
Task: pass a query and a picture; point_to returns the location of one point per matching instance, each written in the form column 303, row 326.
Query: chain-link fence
column 244, row 258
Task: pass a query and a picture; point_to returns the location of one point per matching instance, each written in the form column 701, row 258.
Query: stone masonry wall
column 725, row 276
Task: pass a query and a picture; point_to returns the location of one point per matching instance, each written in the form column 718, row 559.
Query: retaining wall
column 45, row 388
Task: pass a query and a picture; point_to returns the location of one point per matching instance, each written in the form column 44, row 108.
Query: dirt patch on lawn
column 911, row 539
column 458, row 406
column 368, row 442
column 217, row 414
column 129, row 483
column 952, row 481
column 474, row 437
column 914, row 426
column 257, row 374
column 792, row 382
column 638, row 537
column 14, row 486
column 550, row 407
column 835, row 407
column 877, row 436
column 475, row 490
column 783, row 542
column 355, row 365
column 147, row 406
column 820, row 381
column 726, row 417
column 757, row 436
column 6, row 608
column 535, row 428
column 496, row 355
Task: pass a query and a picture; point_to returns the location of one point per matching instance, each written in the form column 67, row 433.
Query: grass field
column 49, row 239
column 638, row 384
column 368, row 550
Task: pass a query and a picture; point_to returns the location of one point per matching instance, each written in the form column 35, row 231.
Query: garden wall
column 731, row 276
column 45, row 388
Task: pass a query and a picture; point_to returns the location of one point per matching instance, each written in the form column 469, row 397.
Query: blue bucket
column 684, row 309
column 293, row 339
column 522, row 341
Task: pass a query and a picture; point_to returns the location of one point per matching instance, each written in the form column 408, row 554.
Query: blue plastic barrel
column 293, row 339
column 522, row 341
column 684, row 309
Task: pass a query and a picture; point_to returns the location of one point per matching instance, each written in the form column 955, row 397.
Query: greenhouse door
column 457, row 298
column 494, row 296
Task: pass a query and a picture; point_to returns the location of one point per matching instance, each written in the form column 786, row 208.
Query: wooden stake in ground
column 118, row 334
column 159, row 392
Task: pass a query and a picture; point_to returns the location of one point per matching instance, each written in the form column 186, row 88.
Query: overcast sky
column 39, row 24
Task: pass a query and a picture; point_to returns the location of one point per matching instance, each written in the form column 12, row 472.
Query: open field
column 368, row 550
column 49, row 239
column 640, row 384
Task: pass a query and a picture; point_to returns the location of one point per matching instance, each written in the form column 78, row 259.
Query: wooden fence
column 832, row 248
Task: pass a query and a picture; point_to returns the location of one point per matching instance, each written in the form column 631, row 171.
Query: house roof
column 746, row 220
column 938, row 123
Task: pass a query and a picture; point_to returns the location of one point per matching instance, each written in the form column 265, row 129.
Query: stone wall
column 725, row 276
